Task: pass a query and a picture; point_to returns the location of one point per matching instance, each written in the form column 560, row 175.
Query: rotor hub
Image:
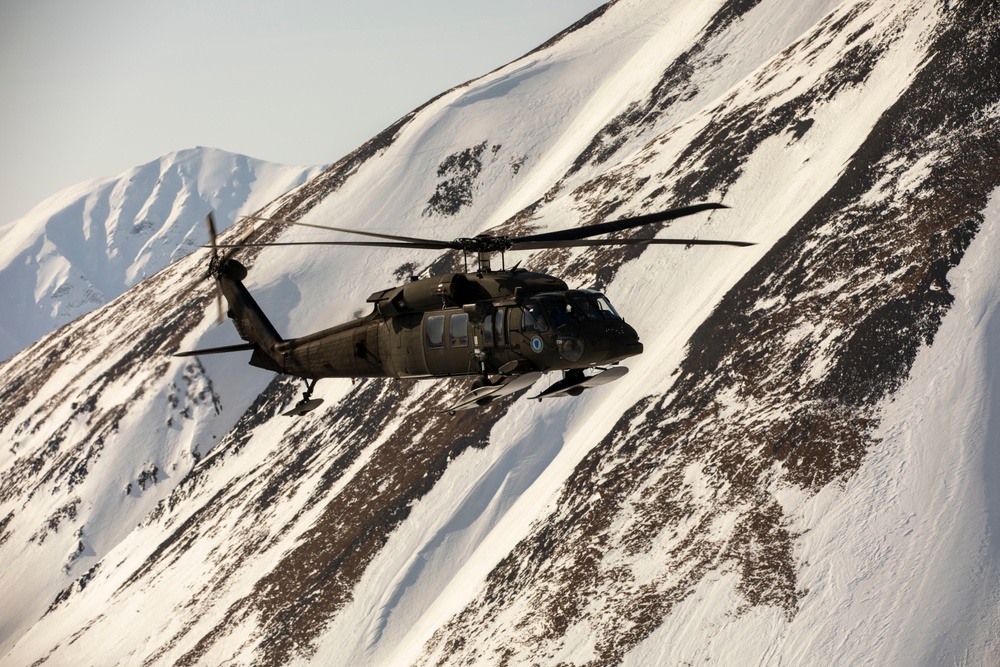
column 484, row 243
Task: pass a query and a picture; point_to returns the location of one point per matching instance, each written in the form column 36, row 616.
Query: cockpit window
column 559, row 310
column 532, row 320
column 585, row 308
column 565, row 308
column 605, row 306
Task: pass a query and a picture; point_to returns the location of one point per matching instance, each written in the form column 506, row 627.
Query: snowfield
column 802, row 467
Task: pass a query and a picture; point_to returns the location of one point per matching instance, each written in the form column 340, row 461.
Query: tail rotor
column 250, row 322
column 223, row 264
column 215, row 266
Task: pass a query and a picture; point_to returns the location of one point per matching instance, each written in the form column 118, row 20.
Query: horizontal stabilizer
column 242, row 347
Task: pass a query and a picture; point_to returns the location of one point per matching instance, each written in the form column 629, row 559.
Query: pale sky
column 92, row 88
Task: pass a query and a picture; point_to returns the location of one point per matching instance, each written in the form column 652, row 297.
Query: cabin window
column 488, row 331
column 459, row 330
column 434, row 331
column 498, row 328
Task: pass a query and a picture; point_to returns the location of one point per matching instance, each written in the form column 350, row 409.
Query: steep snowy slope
column 84, row 246
column 801, row 468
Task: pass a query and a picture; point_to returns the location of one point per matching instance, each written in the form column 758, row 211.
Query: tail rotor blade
column 212, row 234
column 213, row 237
column 221, row 308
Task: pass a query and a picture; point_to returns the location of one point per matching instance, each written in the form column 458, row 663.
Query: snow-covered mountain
column 84, row 246
column 802, row 468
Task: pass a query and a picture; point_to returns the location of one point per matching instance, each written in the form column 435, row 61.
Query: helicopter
column 504, row 327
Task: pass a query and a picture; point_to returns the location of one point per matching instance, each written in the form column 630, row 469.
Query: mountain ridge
column 769, row 484
column 88, row 243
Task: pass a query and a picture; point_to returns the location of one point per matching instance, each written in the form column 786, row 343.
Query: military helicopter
column 505, row 327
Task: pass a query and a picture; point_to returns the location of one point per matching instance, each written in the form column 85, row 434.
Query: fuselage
column 464, row 324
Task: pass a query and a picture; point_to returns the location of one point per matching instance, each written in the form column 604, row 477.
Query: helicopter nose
column 609, row 342
column 626, row 343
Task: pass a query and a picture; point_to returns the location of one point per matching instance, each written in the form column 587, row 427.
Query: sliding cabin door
column 448, row 345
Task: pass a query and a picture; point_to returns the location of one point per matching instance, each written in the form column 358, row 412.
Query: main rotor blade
column 426, row 245
column 538, row 245
column 616, row 225
column 377, row 235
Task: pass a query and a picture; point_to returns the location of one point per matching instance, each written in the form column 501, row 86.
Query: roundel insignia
column 536, row 344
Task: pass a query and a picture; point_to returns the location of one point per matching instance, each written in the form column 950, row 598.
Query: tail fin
column 249, row 320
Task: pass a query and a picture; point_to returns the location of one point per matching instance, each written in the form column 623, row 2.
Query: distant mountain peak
column 87, row 244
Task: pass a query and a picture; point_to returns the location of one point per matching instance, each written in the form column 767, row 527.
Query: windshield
column 561, row 309
column 607, row 310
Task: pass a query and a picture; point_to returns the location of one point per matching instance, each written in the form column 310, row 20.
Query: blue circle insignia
column 536, row 344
